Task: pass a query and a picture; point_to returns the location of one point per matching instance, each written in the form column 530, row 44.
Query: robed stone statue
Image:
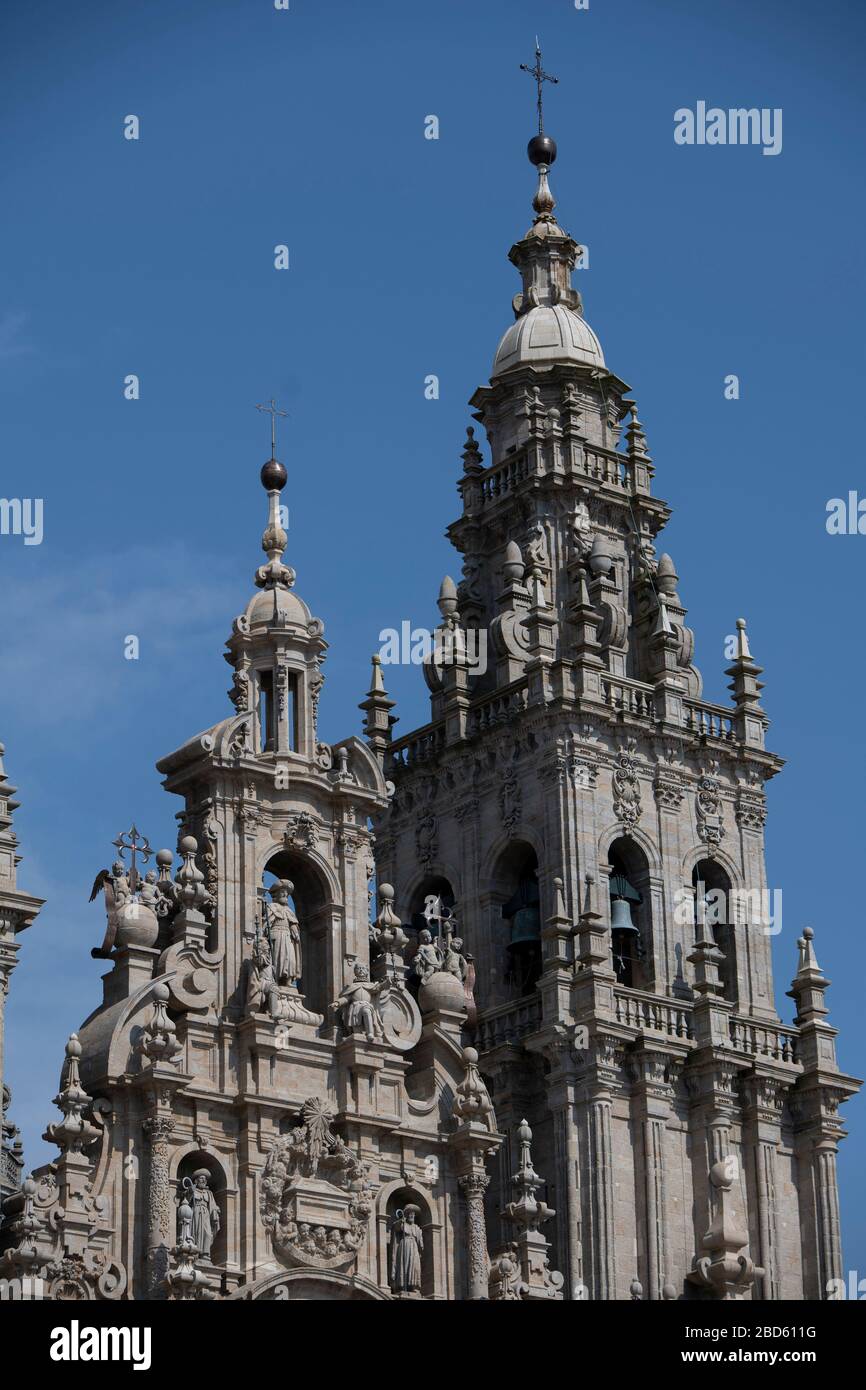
column 284, row 934
column 407, row 1243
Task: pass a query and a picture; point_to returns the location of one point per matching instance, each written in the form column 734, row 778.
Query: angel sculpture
column 115, row 886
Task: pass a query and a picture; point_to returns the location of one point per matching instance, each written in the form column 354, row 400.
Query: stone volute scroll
column 316, row 1199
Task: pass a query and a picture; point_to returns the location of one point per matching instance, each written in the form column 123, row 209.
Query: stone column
column 599, row 1184
column 596, row 1177
column 827, row 1211
column 159, row 1214
column 473, row 1187
column 472, row 1143
column 764, row 1115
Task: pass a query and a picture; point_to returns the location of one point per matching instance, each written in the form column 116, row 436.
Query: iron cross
column 273, row 412
column 136, row 844
column 540, row 76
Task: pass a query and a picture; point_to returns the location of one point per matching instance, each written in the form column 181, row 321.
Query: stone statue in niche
column 356, row 1005
column 407, row 1244
column 205, row 1212
column 284, row 934
column 428, row 958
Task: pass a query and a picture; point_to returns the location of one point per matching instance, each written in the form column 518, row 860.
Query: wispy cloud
column 66, row 626
column 11, row 342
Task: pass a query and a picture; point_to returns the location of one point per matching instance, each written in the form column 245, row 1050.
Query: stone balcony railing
column 418, row 746
column 772, row 1040
column 710, row 721
column 649, row 1013
column 606, row 466
column 631, row 699
column 511, row 1023
column 508, row 1024
column 628, row 697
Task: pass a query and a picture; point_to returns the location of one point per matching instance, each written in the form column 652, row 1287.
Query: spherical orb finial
column 274, row 476
column 164, row 858
column 541, row 150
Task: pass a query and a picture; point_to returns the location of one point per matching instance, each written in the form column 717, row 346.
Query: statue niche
column 296, row 915
column 195, row 1190
column 276, row 964
column 410, row 1270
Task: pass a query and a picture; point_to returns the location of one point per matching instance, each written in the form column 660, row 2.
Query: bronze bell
column 524, row 913
column 622, row 895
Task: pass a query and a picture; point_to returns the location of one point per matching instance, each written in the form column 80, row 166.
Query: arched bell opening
column 310, row 901
column 205, row 1173
column 630, row 917
column 714, row 910
column 520, row 938
column 410, row 1251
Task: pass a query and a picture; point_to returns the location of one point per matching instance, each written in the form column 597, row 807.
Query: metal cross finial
column 540, row 76
column 137, row 844
column 273, row 412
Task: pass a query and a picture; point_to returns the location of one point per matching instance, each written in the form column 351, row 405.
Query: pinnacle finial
column 743, row 652
column 274, row 538
column 541, row 148
column 272, row 410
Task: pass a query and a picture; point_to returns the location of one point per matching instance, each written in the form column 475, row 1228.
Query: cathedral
column 480, row 1012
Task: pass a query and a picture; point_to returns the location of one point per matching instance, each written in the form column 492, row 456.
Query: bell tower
column 599, row 829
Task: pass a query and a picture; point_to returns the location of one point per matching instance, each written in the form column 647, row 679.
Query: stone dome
column 291, row 609
column 547, row 334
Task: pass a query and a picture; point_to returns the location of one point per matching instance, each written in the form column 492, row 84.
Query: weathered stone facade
column 326, row 1096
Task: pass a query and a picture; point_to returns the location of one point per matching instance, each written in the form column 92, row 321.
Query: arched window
column 630, row 921
column 713, row 906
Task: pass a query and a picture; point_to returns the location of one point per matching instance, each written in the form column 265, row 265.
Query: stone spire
column 751, row 721
column 523, row 1270
column 74, row 1133
column 378, row 719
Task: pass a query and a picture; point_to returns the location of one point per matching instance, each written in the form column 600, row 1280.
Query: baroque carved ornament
column 626, row 791
column 316, row 1199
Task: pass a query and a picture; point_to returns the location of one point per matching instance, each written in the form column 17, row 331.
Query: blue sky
column 306, row 128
